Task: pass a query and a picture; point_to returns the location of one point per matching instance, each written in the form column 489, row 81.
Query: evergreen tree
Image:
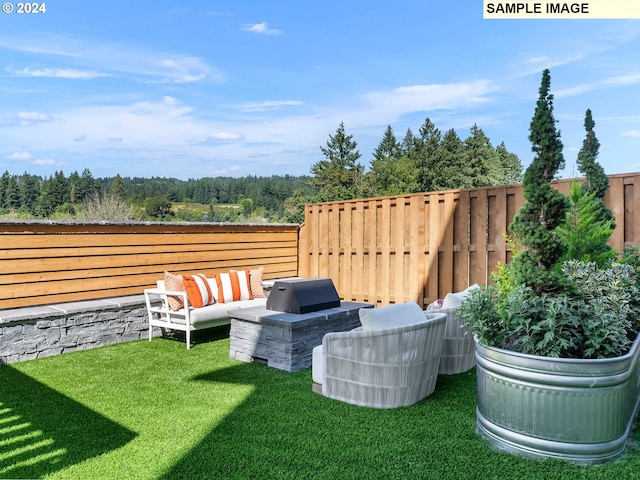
column 12, row 195
column 408, row 145
column 57, row 189
column 29, row 193
column 510, row 166
column 158, row 207
column 4, row 184
column 596, row 181
column 480, row 160
column 449, row 169
column 74, row 180
column 384, row 164
column 589, row 223
column 340, row 176
column 118, row 189
column 294, row 206
column 86, row 187
column 545, row 208
column 584, row 233
column 426, row 146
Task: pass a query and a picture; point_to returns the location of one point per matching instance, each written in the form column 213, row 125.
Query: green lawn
column 153, row 410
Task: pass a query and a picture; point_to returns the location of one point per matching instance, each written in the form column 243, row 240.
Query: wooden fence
column 43, row 262
column 423, row 246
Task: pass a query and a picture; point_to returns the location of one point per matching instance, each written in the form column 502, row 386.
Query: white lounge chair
column 391, row 362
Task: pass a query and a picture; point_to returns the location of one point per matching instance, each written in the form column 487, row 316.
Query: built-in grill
column 303, row 295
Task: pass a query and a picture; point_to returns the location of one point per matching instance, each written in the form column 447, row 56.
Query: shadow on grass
column 284, row 430
column 198, row 336
column 42, row 431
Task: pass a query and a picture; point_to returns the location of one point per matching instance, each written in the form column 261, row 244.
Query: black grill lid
column 303, row 295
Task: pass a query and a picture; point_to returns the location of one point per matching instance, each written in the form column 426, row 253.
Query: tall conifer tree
column 545, row 208
column 340, row 176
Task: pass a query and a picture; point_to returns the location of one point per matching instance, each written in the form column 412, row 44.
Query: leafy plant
column 610, row 307
column 479, row 314
column 597, row 320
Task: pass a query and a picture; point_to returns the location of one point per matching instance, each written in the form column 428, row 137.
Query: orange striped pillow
column 234, row 286
column 255, row 282
column 198, row 290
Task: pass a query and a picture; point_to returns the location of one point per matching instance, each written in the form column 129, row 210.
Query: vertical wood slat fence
column 48, row 262
column 422, row 246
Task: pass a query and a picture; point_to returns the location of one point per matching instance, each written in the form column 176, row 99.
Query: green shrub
column 598, row 319
column 587, row 229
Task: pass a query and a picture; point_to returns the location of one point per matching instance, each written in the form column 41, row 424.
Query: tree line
column 428, row 161
column 59, row 196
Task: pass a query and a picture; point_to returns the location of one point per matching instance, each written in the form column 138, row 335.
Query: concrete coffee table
column 286, row 340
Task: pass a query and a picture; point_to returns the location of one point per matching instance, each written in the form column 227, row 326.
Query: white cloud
column 226, row 136
column 49, row 163
column 632, row 134
column 116, row 139
column 29, row 118
column 610, row 82
column 80, row 138
column 21, row 156
column 535, row 64
column 218, row 137
column 267, row 105
column 112, row 59
column 260, row 28
column 59, row 73
column 416, row 98
column 28, row 158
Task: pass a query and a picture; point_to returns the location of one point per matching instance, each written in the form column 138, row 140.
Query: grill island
column 298, row 313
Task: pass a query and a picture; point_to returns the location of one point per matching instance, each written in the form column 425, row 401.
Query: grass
column 153, row 410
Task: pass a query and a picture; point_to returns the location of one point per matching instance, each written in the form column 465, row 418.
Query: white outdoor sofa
column 189, row 319
column 392, row 361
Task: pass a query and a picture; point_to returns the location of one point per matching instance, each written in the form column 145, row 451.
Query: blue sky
column 232, row 88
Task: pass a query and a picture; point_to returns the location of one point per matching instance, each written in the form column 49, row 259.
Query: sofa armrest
column 164, row 310
column 163, row 294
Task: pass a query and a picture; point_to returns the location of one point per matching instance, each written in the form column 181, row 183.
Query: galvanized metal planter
column 577, row 410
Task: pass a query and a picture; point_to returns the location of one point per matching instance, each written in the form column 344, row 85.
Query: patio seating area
column 147, row 410
column 153, row 410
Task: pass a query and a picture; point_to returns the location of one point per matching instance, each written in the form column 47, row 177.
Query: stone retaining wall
column 36, row 332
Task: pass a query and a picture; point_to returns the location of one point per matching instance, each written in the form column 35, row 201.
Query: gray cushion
column 395, row 315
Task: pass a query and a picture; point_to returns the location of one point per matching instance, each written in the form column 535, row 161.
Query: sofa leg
column 188, row 337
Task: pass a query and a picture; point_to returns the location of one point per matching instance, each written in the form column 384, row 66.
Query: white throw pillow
column 454, row 300
column 395, row 315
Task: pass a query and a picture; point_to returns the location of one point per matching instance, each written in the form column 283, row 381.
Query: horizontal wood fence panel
column 42, row 239
column 141, row 249
column 43, row 263
column 90, row 284
column 425, row 245
column 77, row 261
column 18, row 280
